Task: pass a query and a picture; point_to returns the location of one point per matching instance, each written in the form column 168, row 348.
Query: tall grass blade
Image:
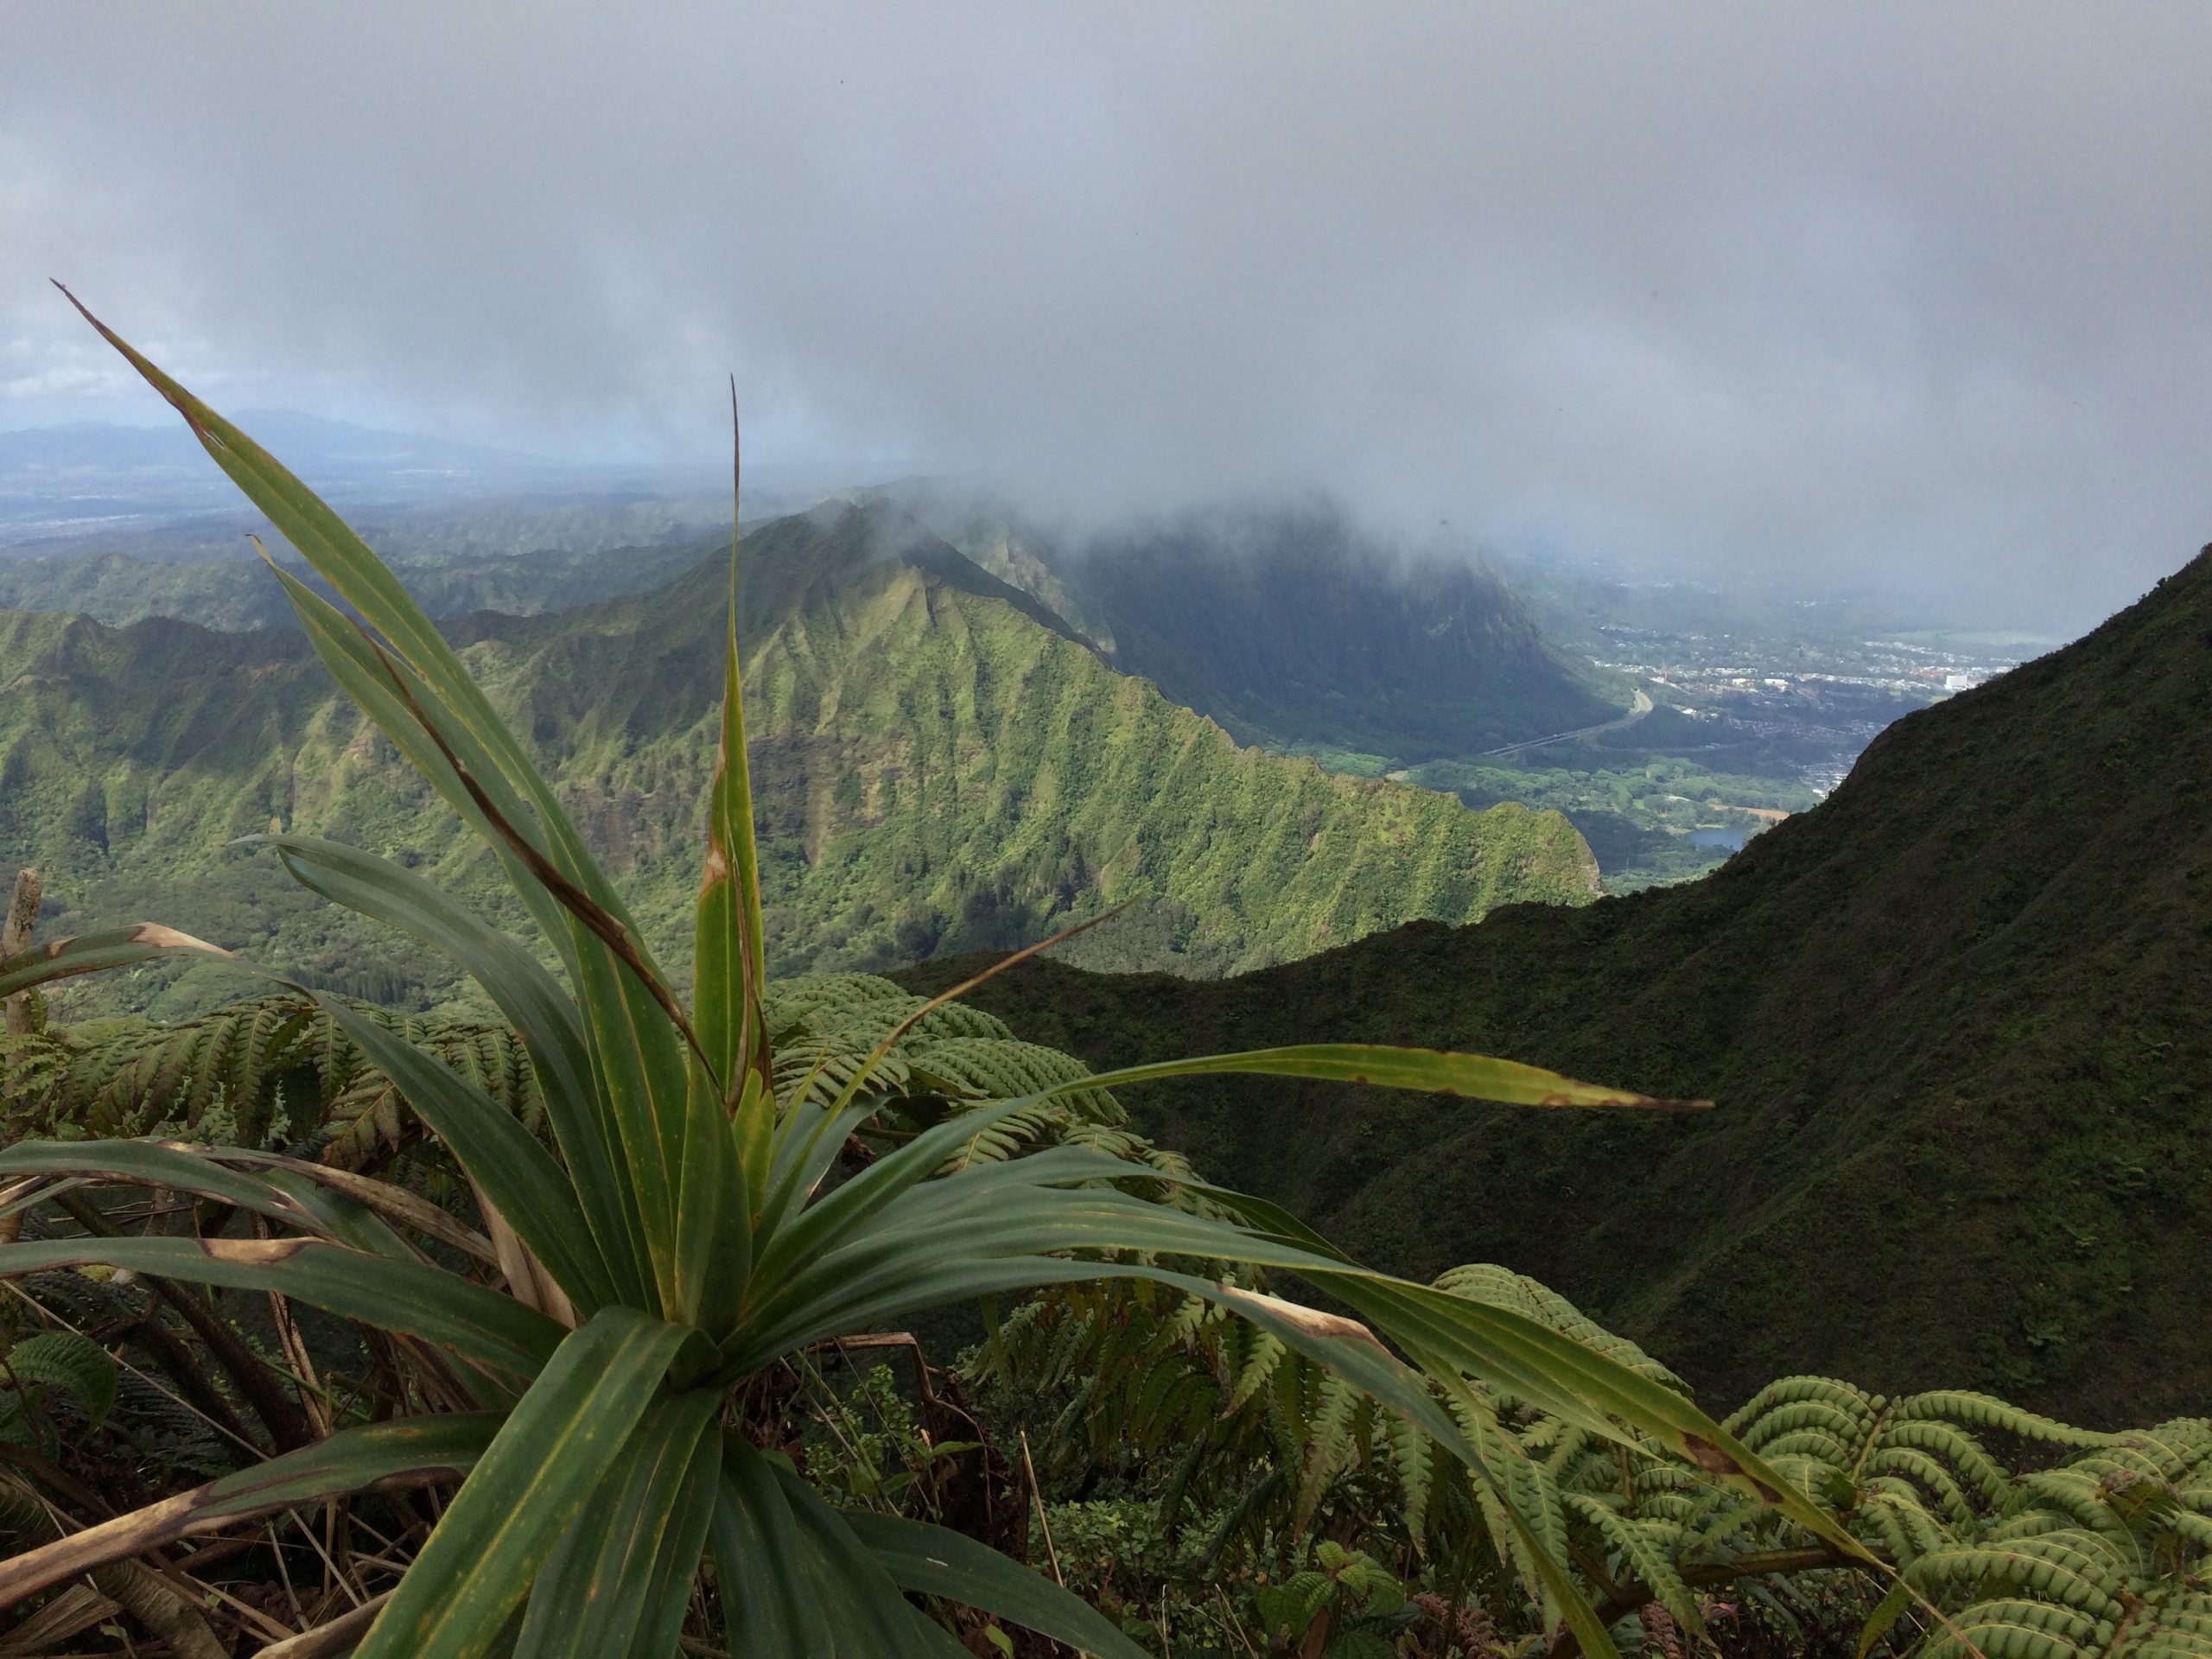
column 96, row 953
column 481, row 1326
column 730, row 975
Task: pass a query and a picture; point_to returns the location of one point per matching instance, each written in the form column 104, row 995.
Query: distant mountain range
column 943, row 762
column 64, row 479
column 104, row 454
column 151, row 489
column 1955, row 1019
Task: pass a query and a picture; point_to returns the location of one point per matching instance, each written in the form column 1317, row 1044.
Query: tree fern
column 2101, row 1556
column 283, row 1064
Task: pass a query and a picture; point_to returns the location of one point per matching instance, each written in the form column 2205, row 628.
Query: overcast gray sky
column 1913, row 294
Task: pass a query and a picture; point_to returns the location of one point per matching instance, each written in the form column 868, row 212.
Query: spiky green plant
column 679, row 1238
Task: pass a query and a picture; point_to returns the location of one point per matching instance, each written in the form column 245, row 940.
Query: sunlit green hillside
column 941, row 764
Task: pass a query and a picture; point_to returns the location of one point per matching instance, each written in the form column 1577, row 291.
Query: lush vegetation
column 945, row 769
column 1638, row 819
column 1954, row 1017
column 604, row 1365
column 1204, row 1485
column 1214, row 1489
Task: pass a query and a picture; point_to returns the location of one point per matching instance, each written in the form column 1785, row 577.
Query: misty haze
column 1595, row 607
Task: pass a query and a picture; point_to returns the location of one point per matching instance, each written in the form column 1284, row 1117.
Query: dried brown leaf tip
column 1646, row 1102
column 168, row 938
column 253, row 1252
column 1312, row 1320
column 46, row 953
column 1707, row 1456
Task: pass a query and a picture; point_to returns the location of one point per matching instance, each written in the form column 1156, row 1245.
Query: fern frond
column 1413, row 1460
column 2021, row 1629
column 1933, row 1479
column 1853, row 1402
column 1645, row 1549
column 1986, row 1412
column 2048, row 1569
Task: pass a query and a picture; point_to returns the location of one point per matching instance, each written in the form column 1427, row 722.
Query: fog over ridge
column 1889, row 293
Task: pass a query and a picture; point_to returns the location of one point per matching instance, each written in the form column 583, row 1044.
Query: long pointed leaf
column 519, row 1175
column 1475, row 1077
column 768, row 1605
column 611, row 930
column 635, row 1059
column 554, row 1451
column 866, row 1608
column 94, row 953
column 368, row 678
column 159, row 1163
column 1547, row 1367
column 342, row 559
column 729, row 970
column 675, row 1137
column 592, row 1595
column 1468, row 1075
column 528, row 998
column 317, row 1185
column 650, row 1089
column 714, row 1229
column 676, row 1574
column 792, row 1245
column 640, row 1077
column 332, row 1203
column 640, row 1065
column 479, row 1324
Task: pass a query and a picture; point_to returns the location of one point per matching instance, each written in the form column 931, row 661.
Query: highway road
column 1643, row 707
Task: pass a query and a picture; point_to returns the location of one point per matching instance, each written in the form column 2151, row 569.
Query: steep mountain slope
column 1955, row 1019
column 939, row 764
column 1289, row 625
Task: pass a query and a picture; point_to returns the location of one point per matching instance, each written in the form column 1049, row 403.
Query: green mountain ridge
column 940, row 763
column 1953, row 1018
